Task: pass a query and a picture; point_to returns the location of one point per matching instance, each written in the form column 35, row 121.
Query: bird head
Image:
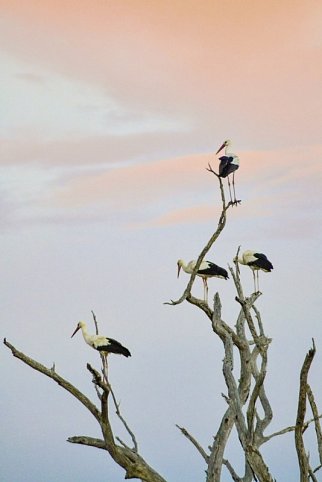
column 225, row 144
column 78, row 327
column 179, row 264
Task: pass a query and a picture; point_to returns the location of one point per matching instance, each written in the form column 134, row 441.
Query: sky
column 111, row 111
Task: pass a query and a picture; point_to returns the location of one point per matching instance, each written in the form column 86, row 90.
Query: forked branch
column 134, row 465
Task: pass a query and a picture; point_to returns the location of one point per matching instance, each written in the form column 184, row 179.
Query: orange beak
column 77, row 328
column 221, row 148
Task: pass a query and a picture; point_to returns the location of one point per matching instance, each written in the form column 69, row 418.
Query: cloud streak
column 169, row 191
column 221, row 88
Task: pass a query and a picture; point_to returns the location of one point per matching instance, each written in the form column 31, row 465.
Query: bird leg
column 205, row 290
column 231, row 200
column 235, row 200
column 257, row 275
column 254, row 278
column 105, row 368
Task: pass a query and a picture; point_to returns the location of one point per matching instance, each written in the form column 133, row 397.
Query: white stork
column 101, row 343
column 256, row 262
column 229, row 163
column 206, row 270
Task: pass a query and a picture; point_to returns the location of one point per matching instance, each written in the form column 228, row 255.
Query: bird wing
column 262, row 262
column 212, row 269
column 224, row 162
column 111, row 346
column 227, row 165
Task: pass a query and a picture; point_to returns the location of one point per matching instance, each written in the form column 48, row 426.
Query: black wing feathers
column 214, row 270
column 114, row 346
column 226, row 167
column 262, row 262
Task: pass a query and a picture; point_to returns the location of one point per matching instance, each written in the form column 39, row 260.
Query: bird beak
column 179, row 268
column 77, row 328
column 220, row 148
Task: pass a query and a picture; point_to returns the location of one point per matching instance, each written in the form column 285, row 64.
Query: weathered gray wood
column 134, row 465
column 299, row 442
column 245, row 395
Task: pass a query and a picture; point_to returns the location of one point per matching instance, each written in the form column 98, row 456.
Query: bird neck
column 185, row 268
column 85, row 333
column 188, row 268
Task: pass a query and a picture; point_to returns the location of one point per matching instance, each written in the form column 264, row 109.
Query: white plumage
column 257, row 262
column 101, row 343
column 206, row 270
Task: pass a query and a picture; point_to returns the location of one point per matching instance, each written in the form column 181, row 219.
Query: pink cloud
column 160, row 56
column 195, row 214
column 262, row 178
column 140, row 183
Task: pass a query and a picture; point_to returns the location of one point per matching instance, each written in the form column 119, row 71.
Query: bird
column 256, row 262
column 206, row 270
column 229, row 163
column 101, row 343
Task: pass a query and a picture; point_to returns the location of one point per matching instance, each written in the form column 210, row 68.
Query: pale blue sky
column 105, row 137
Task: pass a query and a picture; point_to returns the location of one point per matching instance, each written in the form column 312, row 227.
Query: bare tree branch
column 194, row 442
column 218, row 447
column 126, row 425
column 95, row 322
column 134, row 465
column 290, row 429
column 231, row 471
column 220, row 227
column 254, row 396
column 90, row 441
column 57, row 378
column 317, row 424
column 246, row 396
column 299, row 443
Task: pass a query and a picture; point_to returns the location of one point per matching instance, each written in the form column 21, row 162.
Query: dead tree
column 246, row 396
column 246, row 387
column 127, row 457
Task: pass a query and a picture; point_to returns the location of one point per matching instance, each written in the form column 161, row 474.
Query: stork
column 101, row 343
column 257, row 262
column 206, row 270
column 229, row 163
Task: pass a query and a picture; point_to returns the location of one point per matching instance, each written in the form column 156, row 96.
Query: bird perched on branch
column 101, row 343
column 257, row 262
column 206, row 270
column 229, row 163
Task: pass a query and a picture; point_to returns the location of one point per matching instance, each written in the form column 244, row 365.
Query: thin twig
column 232, row 471
column 118, row 413
column 291, row 428
column 95, row 322
column 194, row 442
